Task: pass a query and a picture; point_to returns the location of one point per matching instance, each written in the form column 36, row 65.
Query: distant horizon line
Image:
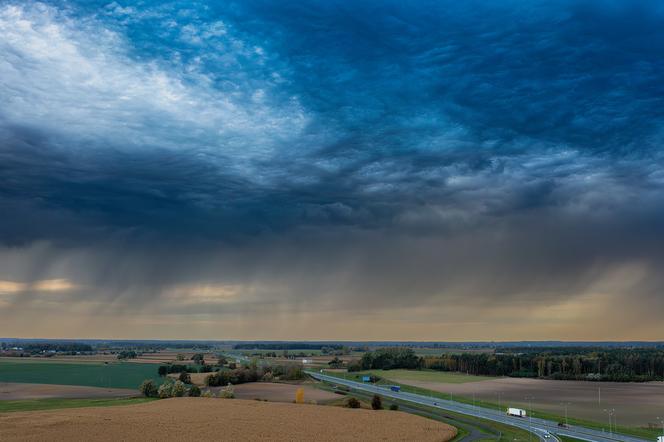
column 474, row 342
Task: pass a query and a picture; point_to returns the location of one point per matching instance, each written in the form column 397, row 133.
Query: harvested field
column 636, row 404
column 162, row 357
column 281, row 392
column 215, row 419
column 17, row 391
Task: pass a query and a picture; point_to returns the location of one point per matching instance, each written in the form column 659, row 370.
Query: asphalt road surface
column 546, row 430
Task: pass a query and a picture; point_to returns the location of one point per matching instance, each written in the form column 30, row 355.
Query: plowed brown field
column 16, row 391
column 196, row 419
column 635, row 404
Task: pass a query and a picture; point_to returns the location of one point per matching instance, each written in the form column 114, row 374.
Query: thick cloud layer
column 201, row 164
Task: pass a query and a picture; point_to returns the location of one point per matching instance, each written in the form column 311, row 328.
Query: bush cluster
column 352, row 402
column 376, row 402
column 289, row 372
column 163, row 370
column 168, row 389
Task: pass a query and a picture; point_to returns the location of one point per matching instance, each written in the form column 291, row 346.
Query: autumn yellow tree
column 299, row 396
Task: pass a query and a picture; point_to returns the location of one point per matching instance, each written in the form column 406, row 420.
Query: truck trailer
column 518, row 412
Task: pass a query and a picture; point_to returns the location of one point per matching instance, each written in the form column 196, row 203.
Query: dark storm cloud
column 374, row 149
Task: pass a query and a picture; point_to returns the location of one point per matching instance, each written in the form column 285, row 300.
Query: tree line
column 59, row 347
column 619, row 365
column 386, row 359
column 252, row 373
column 286, row 346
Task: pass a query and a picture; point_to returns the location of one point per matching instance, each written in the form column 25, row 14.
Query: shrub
column 354, row 366
column 352, row 403
column 148, row 389
column 227, row 393
column 394, row 407
column 335, row 363
column 185, row 377
column 294, row 373
column 376, row 402
column 166, row 389
column 178, row 389
column 207, row 393
column 194, row 391
column 267, row 377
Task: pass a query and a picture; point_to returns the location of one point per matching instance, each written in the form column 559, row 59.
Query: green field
column 91, row 374
column 419, row 375
column 51, row 404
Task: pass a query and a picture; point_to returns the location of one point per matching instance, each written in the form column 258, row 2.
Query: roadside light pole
column 530, row 417
column 610, row 413
column 565, row 404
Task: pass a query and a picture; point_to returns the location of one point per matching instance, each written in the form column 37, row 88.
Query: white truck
column 518, row 412
column 660, row 439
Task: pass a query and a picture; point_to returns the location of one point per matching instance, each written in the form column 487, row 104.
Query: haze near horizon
column 309, row 170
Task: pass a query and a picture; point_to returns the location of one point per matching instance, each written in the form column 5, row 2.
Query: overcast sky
column 413, row 170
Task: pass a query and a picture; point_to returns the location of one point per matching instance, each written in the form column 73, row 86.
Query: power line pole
column 530, row 417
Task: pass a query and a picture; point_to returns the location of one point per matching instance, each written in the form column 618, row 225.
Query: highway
column 540, row 427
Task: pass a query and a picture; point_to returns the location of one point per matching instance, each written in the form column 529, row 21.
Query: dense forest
column 41, row 347
column 592, row 364
column 268, row 373
column 387, row 358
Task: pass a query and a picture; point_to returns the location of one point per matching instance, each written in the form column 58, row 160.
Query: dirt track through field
column 220, row 419
column 10, row 391
column 636, row 404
